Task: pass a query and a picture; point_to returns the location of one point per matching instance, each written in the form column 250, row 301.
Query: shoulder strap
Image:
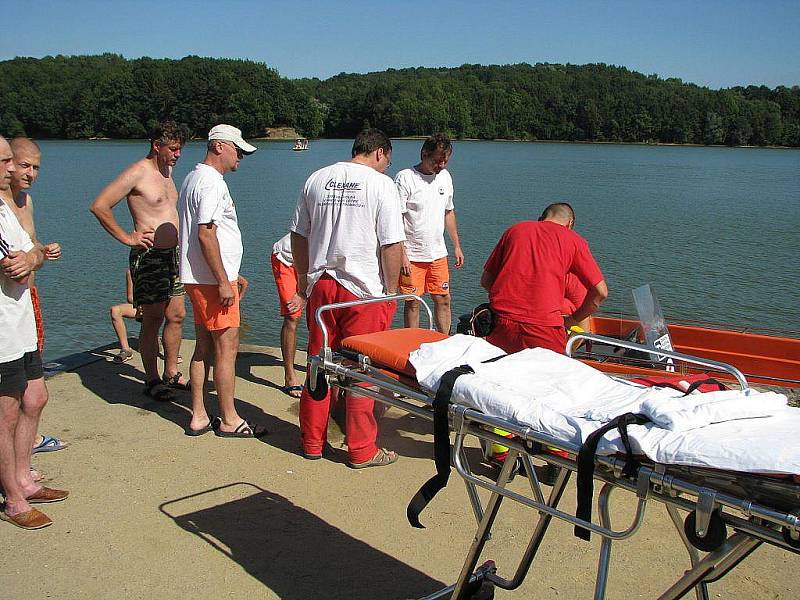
column 441, row 446
column 710, row 381
column 585, row 479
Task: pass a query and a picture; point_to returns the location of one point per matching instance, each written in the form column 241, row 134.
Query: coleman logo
column 342, row 185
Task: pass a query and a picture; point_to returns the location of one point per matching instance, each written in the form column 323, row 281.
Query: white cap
column 229, row 133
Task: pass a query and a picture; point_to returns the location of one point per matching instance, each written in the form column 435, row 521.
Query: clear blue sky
column 709, row 42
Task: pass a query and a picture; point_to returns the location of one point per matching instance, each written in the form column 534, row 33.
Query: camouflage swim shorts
column 155, row 275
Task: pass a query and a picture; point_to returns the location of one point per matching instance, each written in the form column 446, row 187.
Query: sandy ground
column 156, row 514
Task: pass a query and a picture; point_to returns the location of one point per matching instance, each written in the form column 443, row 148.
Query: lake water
column 715, row 230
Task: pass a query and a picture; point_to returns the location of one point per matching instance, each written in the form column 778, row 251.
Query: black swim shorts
column 15, row 374
column 155, row 275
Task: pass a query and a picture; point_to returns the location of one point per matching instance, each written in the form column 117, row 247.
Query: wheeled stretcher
column 724, row 512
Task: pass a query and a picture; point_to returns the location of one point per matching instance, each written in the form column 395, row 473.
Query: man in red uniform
column 347, row 235
column 526, row 276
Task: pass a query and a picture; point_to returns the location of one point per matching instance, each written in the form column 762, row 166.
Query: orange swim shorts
column 286, row 280
column 207, row 309
column 431, row 277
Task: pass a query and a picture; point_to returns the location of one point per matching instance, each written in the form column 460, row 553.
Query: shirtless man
column 152, row 200
column 27, row 161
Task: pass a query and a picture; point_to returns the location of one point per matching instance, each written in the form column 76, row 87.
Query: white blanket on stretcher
column 568, row 399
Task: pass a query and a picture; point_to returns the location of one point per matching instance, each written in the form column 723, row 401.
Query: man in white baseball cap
column 211, row 255
column 229, row 133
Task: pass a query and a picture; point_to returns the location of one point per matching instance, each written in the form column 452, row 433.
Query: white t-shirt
column 17, row 324
column 424, row 199
column 205, row 198
column 347, row 211
column 282, row 249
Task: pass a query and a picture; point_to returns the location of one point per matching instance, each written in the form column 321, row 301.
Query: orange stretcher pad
column 390, row 349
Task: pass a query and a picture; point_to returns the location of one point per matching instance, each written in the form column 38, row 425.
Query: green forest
column 77, row 97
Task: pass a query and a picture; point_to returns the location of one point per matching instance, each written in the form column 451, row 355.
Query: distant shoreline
column 422, row 137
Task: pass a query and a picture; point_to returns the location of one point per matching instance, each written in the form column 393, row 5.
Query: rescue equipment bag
column 478, row 323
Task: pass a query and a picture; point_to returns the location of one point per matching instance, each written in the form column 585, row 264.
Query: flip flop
column 244, row 430
column 196, row 432
column 159, row 392
column 289, row 389
column 49, row 444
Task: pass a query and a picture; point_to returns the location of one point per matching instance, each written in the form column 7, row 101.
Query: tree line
column 109, row 96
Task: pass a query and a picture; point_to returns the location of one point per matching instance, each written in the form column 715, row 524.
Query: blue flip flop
column 288, row 389
column 49, row 444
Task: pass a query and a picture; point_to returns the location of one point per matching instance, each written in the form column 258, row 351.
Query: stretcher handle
column 359, row 302
column 703, row 362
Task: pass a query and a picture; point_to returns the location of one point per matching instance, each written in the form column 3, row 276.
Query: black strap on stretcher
column 585, row 479
column 710, row 381
column 441, row 446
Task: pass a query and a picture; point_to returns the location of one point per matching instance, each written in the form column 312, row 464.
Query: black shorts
column 15, row 375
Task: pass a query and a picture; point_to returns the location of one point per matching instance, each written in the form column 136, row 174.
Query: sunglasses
column 239, row 151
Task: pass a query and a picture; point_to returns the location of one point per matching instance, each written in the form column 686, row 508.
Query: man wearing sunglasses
column 211, row 255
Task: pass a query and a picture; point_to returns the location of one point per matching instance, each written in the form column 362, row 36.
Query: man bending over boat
column 526, row 276
column 152, row 201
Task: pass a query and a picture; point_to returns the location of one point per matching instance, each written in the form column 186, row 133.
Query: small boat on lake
column 763, row 356
column 300, row 144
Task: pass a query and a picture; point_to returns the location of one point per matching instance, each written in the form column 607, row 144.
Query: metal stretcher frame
column 712, row 512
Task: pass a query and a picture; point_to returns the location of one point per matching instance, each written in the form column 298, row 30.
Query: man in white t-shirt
column 426, row 196
column 22, row 389
column 347, row 236
column 210, row 257
column 286, row 281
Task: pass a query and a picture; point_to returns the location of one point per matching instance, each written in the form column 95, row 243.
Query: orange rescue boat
column 764, row 357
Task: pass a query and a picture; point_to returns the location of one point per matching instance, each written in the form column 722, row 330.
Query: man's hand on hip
column 141, row 239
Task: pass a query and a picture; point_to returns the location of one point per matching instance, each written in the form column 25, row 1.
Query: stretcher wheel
column 715, row 536
column 320, row 390
column 787, row 537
